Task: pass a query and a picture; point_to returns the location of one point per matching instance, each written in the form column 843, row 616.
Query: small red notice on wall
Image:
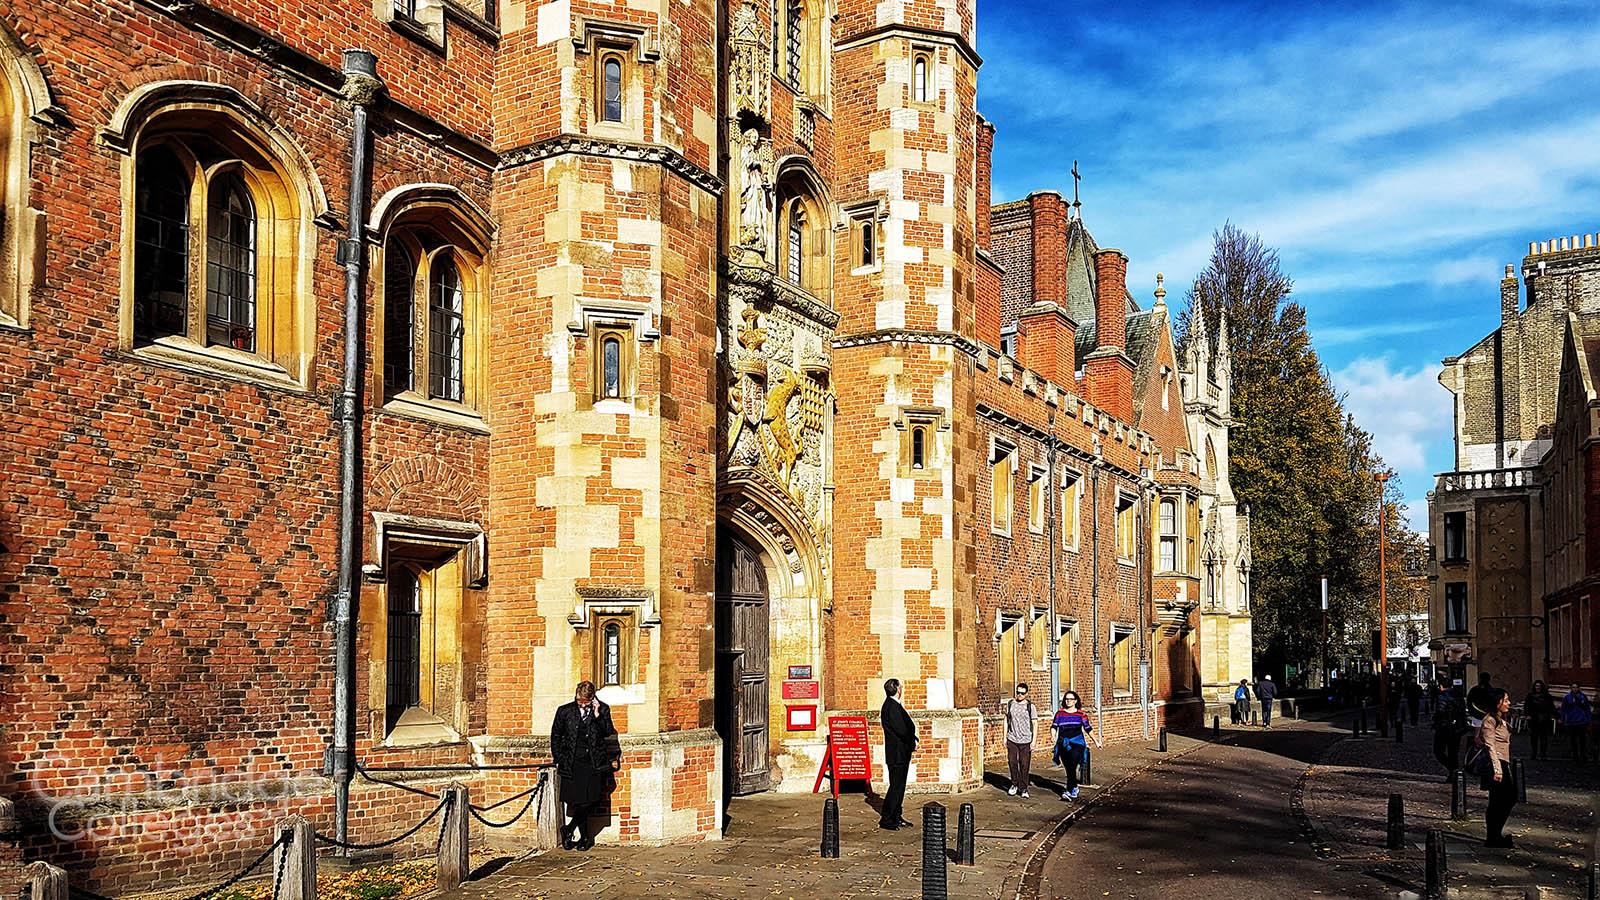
column 849, row 753
column 810, row 689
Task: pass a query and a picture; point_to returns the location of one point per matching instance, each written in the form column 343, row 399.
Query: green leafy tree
column 1303, row 467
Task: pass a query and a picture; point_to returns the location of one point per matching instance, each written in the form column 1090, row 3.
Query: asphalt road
column 1216, row 823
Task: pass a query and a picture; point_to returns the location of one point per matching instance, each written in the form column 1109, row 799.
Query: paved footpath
column 1347, row 795
column 1216, row 823
column 770, row 848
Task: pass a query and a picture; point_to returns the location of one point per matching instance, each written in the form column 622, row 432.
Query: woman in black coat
column 584, row 744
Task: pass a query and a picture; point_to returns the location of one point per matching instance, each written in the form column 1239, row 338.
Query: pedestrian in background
column 1449, row 727
column 1576, row 715
column 1413, row 699
column 1540, row 708
column 1020, row 714
column 1266, row 692
column 1494, row 743
column 584, row 744
column 1072, row 727
column 899, row 742
column 1241, row 703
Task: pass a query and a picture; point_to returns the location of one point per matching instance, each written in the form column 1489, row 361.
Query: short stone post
column 45, row 882
column 551, row 819
column 1216, row 727
column 1399, row 731
column 935, row 881
column 830, row 829
column 1397, row 823
column 454, row 864
column 1458, row 794
column 1361, row 722
column 1520, row 776
column 1383, row 724
column 1087, row 778
column 297, row 860
column 1437, row 866
column 966, row 826
column 1162, row 741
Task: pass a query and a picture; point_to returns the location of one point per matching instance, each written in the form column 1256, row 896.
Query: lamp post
column 1383, row 601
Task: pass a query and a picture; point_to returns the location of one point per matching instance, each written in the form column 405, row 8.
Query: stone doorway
column 743, row 657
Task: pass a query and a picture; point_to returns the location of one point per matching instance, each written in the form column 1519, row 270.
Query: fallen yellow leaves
column 388, row 882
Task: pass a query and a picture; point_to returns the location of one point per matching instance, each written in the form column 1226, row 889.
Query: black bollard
column 965, row 826
column 1162, row 738
column 1437, row 867
column 1458, row 794
column 1361, row 722
column 1520, row 776
column 1398, row 731
column 935, row 883
column 1216, row 726
column 830, row 829
column 1397, row 823
column 1086, row 778
column 1255, row 716
column 1383, row 724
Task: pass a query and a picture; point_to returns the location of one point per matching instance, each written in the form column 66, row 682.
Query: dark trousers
column 1502, row 796
column 1447, row 748
column 895, row 799
column 1241, row 712
column 1072, row 757
column 1020, row 756
column 1414, row 707
column 1539, row 737
column 578, row 816
column 1266, row 712
column 1578, row 740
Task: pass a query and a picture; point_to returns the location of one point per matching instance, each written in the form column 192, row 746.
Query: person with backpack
column 1019, row 715
column 1449, row 726
column 1241, row 703
column 1576, row 715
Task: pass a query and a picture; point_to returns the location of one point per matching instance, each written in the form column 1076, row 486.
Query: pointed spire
column 1199, row 341
column 1224, row 352
column 1161, row 292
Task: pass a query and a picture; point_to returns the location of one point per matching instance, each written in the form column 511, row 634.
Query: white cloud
column 1403, row 410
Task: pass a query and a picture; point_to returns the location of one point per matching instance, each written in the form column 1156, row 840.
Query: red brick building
column 691, row 356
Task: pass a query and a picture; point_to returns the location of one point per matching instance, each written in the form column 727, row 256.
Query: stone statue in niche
column 754, row 193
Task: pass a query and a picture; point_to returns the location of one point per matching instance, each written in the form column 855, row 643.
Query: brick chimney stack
column 985, row 179
column 1049, row 247
column 1509, row 300
column 1108, row 372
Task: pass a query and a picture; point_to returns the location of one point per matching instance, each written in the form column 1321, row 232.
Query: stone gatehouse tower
column 693, row 362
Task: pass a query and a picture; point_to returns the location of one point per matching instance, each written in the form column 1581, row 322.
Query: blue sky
column 1396, row 155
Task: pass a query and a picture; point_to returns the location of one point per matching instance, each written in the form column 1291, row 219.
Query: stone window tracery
column 216, row 234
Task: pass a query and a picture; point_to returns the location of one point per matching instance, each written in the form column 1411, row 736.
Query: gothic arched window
column 797, row 230
column 161, row 246
column 611, row 84
column 445, row 331
column 796, row 43
column 919, row 79
column 231, row 265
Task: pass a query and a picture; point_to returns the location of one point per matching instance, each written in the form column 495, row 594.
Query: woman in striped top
column 1072, row 727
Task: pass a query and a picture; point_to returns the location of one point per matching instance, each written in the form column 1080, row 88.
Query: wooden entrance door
column 742, row 662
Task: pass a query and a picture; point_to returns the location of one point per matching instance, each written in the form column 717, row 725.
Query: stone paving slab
column 770, row 847
column 1346, row 799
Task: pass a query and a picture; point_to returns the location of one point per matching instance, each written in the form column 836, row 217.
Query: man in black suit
column 899, row 740
column 584, row 744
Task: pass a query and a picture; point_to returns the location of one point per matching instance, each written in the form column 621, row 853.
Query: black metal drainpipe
column 362, row 88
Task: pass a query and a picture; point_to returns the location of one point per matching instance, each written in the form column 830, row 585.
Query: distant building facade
column 1508, row 570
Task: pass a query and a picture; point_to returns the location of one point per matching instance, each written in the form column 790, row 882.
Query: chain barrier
column 284, row 839
column 534, row 793
column 395, row 784
column 348, row 845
